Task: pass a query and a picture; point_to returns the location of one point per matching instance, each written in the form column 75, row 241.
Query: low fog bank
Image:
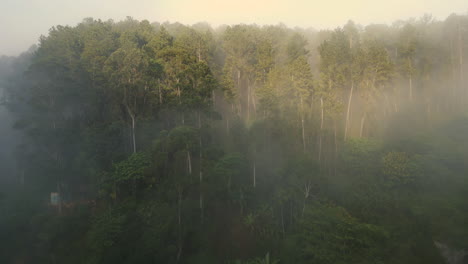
column 8, row 143
column 8, row 138
column 12, row 70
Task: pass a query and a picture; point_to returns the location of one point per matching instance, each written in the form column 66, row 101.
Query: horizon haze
column 27, row 20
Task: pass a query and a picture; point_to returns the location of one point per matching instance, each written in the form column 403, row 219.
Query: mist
column 140, row 141
column 9, row 135
column 18, row 35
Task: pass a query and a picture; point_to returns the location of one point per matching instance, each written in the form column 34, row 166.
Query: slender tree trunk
column 199, row 53
column 336, row 146
column 303, row 128
column 59, row 190
column 201, row 169
column 199, row 120
column 213, row 98
column 303, row 134
column 348, row 110
column 254, row 174
column 303, row 207
column 179, row 225
column 363, row 119
column 132, row 117
column 306, row 195
column 241, row 202
column 227, row 125
column 411, row 88
column 160, row 93
column 460, row 61
column 290, row 212
column 239, row 90
column 252, row 95
column 202, row 214
column 178, row 93
column 282, row 220
column 133, row 134
column 189, row 163
column 454, row 79
column 248, row 100
column 428, row 112
column 321, row 130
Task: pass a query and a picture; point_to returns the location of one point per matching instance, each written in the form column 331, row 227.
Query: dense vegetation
column 242, row 144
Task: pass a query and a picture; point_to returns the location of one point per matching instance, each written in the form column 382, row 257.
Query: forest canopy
column 169, row 143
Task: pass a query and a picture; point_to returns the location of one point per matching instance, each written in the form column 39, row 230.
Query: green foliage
column 105, row 231
column 399, row 169
column 232, row 168
column 265, row 260
column 125, row 173
column 361, row 155
column 183, row 144
column 330, row 235
column 134, row 168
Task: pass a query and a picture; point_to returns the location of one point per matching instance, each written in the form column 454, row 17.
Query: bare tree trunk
column 303, row 128
column 282, row 219
column 252, row 95
column 133, row 134
column 248, row 100
column 227, row 125
column 132, row 116
column 348, row 110
column 388, row 105
column 454, row 79
column 303, row 134
column 239, row 90
column 199, row 120
column 303, row 207
column 428, row 111
column 213, row 97
column 202, row 214
column 307, row 188
column 199, row 53
column 160, row 93
column 201, row 171
column 241, row 202
column 179, row 203
column 59, row 198
column 363, row 119
column 178, row 92
column 460, row 61
column 189, row 163
column 254, row 174
column 411, row 88
column 179, row 225
column 290, row 212
column 336, row 146
column 321, row 130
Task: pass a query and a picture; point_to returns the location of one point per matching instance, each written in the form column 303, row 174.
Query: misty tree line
column 240, row 144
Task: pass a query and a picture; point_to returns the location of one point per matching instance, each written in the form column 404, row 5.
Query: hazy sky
column 23, row 21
